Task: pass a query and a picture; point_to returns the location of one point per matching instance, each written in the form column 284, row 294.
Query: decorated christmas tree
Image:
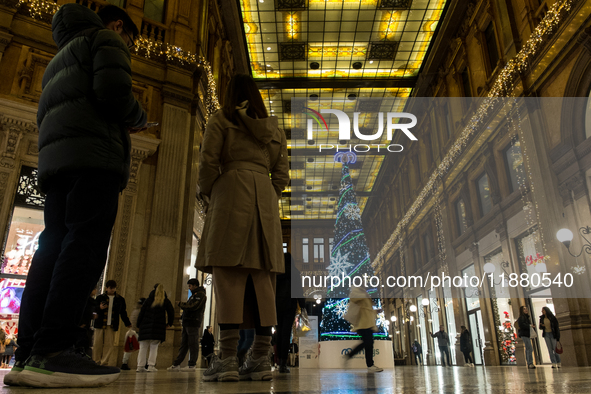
column 349, row 258
column 508, row 341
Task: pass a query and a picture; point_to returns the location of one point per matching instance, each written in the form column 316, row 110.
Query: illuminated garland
column 151, row 49
column 502, row 87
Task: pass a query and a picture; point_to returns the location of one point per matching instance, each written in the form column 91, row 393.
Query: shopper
column 110, row 307
column 191, row 321
column 243, row 170
column 85, row 111
column 156, row 314
column 524, row 328
column 10, row 346
column 286, row 307
column 417, row 349
column 466, row 346
column 443, row 342
column 551, row 334
column 133, row 319
column 207, row 343
column 363, row 318
column 86, row 333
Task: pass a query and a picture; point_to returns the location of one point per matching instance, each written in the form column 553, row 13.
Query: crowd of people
column 525, row 330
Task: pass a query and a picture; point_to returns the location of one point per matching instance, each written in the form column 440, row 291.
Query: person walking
column 466, row 346
column 443, row 342
column 86, row 112
column 286, row 307
column 363, row 318
column 110, row 307
column 551, row 334
column 524, row 329
column 191, row 321
column 10, row 346
column 417, row 349
column 133, row 319
column 207, row 343
column 243, row 170
column 156, row 314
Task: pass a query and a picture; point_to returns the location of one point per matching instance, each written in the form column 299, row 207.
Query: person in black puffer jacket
column 157, row 313
column 286, row 307
column 524, row 332
column 85, row 114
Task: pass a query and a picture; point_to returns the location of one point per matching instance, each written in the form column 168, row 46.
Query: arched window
column 154, row 10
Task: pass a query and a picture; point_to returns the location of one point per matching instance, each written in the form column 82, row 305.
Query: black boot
column 125, row 367
column 283, row 366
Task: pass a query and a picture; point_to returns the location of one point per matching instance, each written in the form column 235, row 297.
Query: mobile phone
column 151, row 124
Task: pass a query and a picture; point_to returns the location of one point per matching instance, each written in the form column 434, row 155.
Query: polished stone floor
column 403, row 380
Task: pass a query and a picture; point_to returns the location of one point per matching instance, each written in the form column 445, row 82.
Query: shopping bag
column 532, row 333
column 558, row 349
column 131, row 342
column 303, row 323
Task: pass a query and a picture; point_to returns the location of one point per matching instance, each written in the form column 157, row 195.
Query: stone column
column 491, row 356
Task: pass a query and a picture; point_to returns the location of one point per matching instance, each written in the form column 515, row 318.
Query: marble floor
column 402, row 380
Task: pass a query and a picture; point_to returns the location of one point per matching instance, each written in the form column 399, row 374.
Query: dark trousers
column 444, row 349
column 285, row 320
column 79, row 216
column 189, row 343
column 367, row 344
column 418, row 357
column 467, row 357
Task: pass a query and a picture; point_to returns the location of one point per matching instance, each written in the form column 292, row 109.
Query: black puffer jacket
column 152, row 321
column 524, row 323
column 194, row 307
column 86, row 105
column 466, row 341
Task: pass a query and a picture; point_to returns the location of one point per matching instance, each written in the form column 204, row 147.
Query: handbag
column 558, row 349
column 303, row 323
column 532, row 333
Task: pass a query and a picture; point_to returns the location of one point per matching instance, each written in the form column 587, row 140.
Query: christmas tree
column 508, row 341
column 349, row 258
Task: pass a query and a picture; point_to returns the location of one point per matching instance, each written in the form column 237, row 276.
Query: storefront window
column 434, row 317
column 514, row 165
column 532, row 260
column 451, row 321
column 21, row 244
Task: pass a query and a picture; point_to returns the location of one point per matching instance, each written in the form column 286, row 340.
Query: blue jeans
column 444, row 349
column 528, row 350
column 79, row 215
column 551, row 343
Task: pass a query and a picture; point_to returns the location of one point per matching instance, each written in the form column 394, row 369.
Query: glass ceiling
column 308, row 40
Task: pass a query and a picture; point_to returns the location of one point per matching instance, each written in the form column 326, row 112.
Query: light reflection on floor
column 403, row 380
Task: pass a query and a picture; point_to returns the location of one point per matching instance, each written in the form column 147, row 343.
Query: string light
column 149, row 48
column 502, row 87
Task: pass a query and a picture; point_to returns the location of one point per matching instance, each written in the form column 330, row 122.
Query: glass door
column 475, row 319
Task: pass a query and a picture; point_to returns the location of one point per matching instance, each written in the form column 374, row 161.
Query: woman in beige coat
column 243, row 170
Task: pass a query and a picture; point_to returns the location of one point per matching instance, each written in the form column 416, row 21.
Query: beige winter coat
column 244, row 181
column 360, row 312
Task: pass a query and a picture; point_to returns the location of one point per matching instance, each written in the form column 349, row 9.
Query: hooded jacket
column 360, row 312
column 86, row 104
column 152, row 322
column 243, row 168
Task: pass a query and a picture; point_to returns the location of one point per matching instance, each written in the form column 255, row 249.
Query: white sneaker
column 558, row 365
column 141, row 369
column 553, row 365
column 467, row 365
column 471, row 364
column 174, row 368
column 152, row 368
column 374, row 368
column 188, row 369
